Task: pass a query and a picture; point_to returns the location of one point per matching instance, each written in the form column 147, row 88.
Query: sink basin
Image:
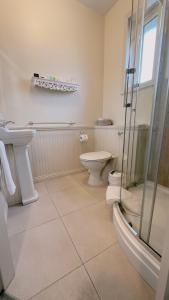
column 16, row 136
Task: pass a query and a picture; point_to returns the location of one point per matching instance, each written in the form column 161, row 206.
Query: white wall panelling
column 56, row 152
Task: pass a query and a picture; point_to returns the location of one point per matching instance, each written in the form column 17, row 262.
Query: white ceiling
column 101, row 6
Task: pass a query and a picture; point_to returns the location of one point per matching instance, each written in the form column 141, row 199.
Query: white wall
column 109, row 139
column 51, row 37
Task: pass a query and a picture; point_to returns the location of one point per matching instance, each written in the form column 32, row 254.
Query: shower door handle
column 131, row 71
column 125, row 89
column 128, row 72
column 127, row 105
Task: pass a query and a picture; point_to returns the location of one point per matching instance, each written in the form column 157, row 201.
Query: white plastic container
column 114, row 178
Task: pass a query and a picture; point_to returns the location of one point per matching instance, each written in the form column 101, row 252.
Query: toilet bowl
column 95, row 163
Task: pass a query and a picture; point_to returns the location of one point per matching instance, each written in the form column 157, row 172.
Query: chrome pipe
column 4, row 123
column 30, row 123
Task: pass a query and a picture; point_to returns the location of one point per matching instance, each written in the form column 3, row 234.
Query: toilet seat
column 96, row 156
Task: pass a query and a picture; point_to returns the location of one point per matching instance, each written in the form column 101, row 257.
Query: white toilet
column 95, row 162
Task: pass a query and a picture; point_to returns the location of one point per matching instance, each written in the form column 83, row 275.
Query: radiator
column 56, row 152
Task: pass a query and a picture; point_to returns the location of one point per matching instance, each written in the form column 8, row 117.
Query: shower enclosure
column 145, row 163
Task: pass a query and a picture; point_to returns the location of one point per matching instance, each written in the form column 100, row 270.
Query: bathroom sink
column 20, row 138
column 16, row 136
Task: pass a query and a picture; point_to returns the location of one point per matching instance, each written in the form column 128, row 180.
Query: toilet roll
column 83, row 138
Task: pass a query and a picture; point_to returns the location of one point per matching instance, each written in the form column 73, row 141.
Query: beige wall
column 114, row 54
column 66, row 39
column 51, row 37
column 114, row 62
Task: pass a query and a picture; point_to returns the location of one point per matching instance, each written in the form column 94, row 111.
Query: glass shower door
column 143, row 53
column 156, row 190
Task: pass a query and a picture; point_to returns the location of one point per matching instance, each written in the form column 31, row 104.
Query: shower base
column 159, row 217
column 140, row 255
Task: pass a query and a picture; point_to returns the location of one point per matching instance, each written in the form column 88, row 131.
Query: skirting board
column 55, row 175
column 142, row 259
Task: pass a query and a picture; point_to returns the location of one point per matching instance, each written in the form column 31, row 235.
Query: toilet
column 95, row 162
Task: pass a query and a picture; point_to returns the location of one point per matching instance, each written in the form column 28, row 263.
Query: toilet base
column 95, row 179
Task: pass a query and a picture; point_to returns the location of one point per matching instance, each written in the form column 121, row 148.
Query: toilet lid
column 101, row 155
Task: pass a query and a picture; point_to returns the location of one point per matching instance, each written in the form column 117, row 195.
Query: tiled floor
column 64, row 247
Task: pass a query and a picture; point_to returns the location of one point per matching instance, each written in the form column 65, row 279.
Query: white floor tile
column 21, row 218
column 116, row 279
column 71, row 199
column 91, row 230
column 75, row 286
column 41, row 256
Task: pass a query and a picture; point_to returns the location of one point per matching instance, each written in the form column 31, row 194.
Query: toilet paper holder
column 83, row 137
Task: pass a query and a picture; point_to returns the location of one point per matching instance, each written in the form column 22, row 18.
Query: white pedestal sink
column 6, row 264
column 20, row 140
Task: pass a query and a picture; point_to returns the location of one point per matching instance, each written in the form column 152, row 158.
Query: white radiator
column 56, row 152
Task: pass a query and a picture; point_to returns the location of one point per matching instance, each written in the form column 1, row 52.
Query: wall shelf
column 54, row 85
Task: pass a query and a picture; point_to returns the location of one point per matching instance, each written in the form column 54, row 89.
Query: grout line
column 97, row 292
column 50, row 197
column 79, row 267
column 33, row 227
column 73, row 244
column 101, row 252
column 57, row 280
column 62, row 217
column 82, row 208
column 78, row 209
column 83, row 263
column 59, row 217
column 43, row 223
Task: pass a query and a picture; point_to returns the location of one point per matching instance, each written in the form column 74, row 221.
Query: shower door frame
column 129, row 110
column 143, row 258
column 159, row 59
